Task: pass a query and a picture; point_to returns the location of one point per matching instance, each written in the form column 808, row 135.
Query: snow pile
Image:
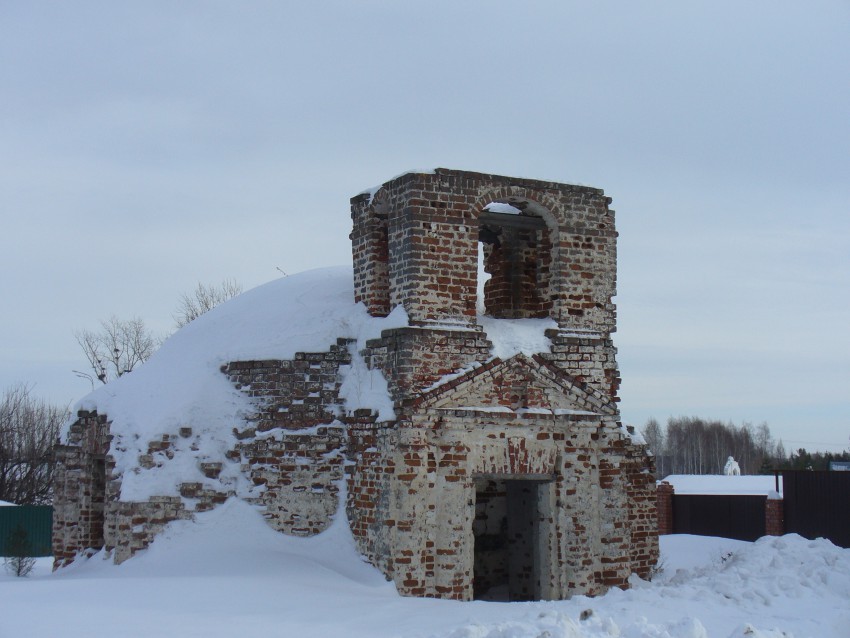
column 229, row 574
column 732, row 468
column 680, row 555
column 776, row 587
column 515, row 336
column 774, row 570
column 794, row 581
column 235, row 540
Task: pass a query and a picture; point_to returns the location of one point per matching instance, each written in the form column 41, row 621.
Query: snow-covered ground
column 228, row 574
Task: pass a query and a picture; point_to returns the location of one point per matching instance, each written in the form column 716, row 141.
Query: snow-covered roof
column 721, row 484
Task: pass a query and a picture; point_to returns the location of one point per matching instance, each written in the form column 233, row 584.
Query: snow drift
column 228, row 573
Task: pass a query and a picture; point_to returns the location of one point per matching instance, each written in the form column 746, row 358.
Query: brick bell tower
column 514, row 474
column 549, row 250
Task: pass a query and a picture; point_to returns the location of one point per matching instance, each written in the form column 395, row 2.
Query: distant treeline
column 691, row 445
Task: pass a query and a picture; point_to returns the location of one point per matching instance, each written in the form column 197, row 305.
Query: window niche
column 515, row 257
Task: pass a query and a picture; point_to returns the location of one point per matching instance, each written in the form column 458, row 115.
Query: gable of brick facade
column 518, row 383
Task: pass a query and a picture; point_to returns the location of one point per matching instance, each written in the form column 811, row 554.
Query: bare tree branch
column 119, row 346
column 204, row 298
column 28, row 430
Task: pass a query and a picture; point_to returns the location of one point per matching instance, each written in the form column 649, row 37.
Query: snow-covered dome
column 182, row 385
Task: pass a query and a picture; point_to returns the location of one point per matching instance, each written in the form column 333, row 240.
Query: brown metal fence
column 729, row 516
column 817, row 504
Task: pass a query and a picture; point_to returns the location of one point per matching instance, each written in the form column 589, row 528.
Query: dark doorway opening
column 508, row 563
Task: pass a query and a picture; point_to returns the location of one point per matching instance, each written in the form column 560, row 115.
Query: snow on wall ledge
column 720, row 484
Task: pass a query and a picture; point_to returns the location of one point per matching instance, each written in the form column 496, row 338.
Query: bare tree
column 29, row 428
column 654, row 437
column 763, row 439
column 119, row 346
column 780, row 454
column 204, row 298
column 698, row 446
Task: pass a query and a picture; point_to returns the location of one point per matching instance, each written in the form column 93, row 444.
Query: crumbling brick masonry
column 497, row 479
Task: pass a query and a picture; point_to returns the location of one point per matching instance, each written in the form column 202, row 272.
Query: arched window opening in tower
column 514, row 262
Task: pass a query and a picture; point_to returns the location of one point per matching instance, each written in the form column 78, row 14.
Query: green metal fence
column 37, row 521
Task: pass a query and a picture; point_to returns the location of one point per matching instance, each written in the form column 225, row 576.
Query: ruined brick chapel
column 495, row 477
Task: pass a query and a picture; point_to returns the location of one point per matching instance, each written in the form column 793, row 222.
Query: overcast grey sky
column 147, row 146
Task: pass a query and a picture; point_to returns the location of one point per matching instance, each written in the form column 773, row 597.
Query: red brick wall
column 774, row 517
column 432, row 247
column 297, row 473
column 665, row 493
column 81, row 486
column 412, row 359
column 370, row 252
column 520, row 274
